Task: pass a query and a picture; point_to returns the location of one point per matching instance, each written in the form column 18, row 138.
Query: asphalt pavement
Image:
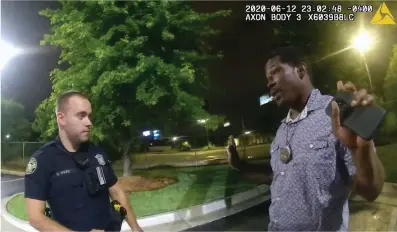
column 11, row 185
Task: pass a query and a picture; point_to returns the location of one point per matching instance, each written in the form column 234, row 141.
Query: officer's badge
column 100, row 159
column 32, row 166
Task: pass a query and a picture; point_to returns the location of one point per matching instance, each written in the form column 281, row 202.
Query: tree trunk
column 126, row 160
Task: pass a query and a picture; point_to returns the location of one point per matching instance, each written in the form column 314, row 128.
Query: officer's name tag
column 64, row 172
column 101, row 176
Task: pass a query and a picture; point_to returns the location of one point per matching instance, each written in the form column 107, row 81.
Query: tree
column 142, row 63
column 390, row 103
column 390, row 83
column 14, row 125
column 211, row 124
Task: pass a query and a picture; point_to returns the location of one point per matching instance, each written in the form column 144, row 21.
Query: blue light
column 156, row 134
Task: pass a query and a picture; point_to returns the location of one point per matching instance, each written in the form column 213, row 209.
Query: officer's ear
column 60, row 118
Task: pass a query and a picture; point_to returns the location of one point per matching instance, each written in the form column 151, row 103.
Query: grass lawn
column 388, row 155
column 195, row 186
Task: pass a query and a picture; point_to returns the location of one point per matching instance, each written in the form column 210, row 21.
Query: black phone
column 364, row 121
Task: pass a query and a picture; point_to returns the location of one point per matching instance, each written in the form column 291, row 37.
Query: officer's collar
column 58, row 143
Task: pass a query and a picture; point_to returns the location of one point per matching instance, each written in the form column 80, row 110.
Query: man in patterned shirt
column 315, row 163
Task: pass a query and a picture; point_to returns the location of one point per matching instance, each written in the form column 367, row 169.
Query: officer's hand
column 95, row 230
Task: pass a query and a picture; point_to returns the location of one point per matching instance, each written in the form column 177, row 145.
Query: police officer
column 73, row 176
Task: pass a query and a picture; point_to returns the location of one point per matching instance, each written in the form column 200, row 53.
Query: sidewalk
column 380, row 215
column 5, row 226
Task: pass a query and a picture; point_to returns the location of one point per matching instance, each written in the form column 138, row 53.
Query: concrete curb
column 177, row 220
column 11, row 172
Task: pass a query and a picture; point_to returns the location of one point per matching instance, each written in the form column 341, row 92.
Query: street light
column 362, row 42
column 174, row 139
column 203, row 121
column 146, row 133
column 8, row 136
column 7, row 52
column 226, row 124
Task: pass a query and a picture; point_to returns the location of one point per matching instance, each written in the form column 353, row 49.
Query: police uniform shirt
column 53, row 176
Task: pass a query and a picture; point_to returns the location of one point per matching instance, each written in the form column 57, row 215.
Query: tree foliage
column 142, row 63
column 390, row 94
column 14, row 122
column 390, row 83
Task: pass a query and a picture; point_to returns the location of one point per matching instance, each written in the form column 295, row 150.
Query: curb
column 180, row 219
column 14, row 173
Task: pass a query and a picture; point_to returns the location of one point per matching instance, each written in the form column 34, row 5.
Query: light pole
column 7, row 52
column 174, row 139
column 204, row 121
column 363, row 42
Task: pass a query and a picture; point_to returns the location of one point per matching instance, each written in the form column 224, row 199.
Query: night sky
column 240, row 74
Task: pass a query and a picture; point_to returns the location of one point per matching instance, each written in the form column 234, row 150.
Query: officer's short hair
column 63, row 99
column 291, row 55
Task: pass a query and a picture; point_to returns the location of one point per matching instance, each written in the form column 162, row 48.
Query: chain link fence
column 17, row 154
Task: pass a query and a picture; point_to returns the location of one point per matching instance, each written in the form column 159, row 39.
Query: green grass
column 388, row 155
column 195, row 186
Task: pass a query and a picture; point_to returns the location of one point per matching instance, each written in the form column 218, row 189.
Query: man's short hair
column 63, row 99
column 291, row 55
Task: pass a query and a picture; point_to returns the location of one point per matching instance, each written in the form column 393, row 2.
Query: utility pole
column 243, row 133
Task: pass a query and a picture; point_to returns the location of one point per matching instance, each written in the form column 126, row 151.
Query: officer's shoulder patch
column 32, row 166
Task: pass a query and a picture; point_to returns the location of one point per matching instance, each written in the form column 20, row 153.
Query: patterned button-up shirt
column 311, row 191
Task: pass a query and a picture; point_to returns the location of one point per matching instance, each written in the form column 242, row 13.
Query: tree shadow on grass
column 199, row 188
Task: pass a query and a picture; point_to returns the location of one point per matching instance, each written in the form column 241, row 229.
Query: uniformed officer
column 74, row 176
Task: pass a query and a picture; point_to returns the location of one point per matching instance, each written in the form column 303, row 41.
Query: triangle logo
column 383, row 16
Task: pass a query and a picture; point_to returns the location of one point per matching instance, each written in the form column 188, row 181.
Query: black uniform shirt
column 53, row 176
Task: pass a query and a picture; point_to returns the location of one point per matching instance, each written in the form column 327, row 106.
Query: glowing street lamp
column 362, row 42
column 203, row 121
column 7, row 52
column 226, row 124
column 8, row 136
column 146, row 133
